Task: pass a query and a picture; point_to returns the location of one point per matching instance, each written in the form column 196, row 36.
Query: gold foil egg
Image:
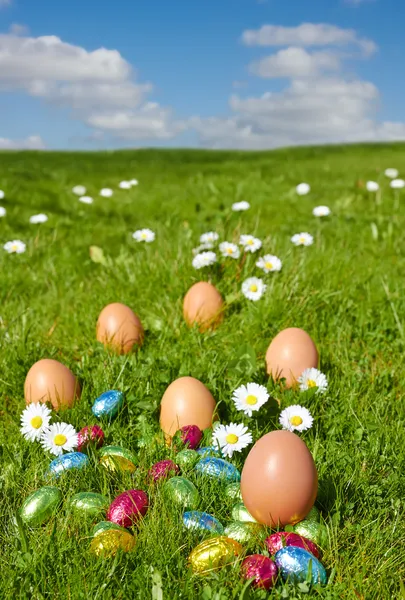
column 108, row 542
column 214, row 553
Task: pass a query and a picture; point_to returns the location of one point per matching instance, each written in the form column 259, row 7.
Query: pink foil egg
column 90, row 434
column 128, row 508
column 191, row 436
column 163, row 470
column 279, row 540
column 260, row 568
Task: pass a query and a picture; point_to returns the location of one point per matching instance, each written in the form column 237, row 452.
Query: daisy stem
column 240, row 266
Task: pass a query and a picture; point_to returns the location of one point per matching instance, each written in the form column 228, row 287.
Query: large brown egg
column 120, row 328
column 50, row 381
column 203, row 305
column 289, row 354
column 279, row 480
column 186, row 402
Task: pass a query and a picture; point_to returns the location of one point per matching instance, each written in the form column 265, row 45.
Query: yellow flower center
column 60, row 439
column 229, row 250
column 311, row 383
column 36, row 422
column 144, row 236
column 252, row 400
column 296, row 421
column 14, row 247
column 302, row 240
column 268, row 265
column 253, row 287
column 231, row 438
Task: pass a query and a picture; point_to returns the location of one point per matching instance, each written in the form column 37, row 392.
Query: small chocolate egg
column 261, row 569
column 50, row 381
column 279, row 479
column 217, row 468
column 243, row 532
column 107, row 542
column 209, row 451
column 115, row 458
column 186, row 402
column 313, row 515
column 182, row 492
column 294, row 564
column 104, row 526
column 214, row 553
column 186, row 459
column 289, row 354
column 67, row 462
column 281, row 539
column 163, row 470
column 188, row 436
column 40, row 505
column 128, row 508
column 196, row 519
column 203, row 306
column 119, row 328
column 241, row 513
column 312, row 530
column 233, row 491
column 108, row 404
column 88, row 503
column 91, row 434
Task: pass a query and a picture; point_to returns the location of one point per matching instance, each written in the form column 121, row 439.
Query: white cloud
column 295, row 62
column 17, row 29
column 33, row 142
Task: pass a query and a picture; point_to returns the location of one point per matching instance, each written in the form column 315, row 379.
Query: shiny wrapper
column 186, row 459
column 108, row 542
column 233, row 491
column 128, row 508
column 67, row 462
column 209, row 451
column 316, row 532
column 242, row 532
column 115, row 458
column 217, row 468
column 313, row 515
column 182, row 492
column 294, row 564
column 214, row 553
column 40, row 505
column 92, row 434
column 188, row 437
column 104, row 525
column 196, row 519
column 108, row 404
column 281, row 539
column 88, row 503
column 163, row 470
column 241, row 513
column 261, row 569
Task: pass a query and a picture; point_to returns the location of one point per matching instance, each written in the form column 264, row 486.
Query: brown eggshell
column 203, row 305
column 186, row 402
column 50, row 381
column 120, row 328
column 289, row 354
column 279, row 481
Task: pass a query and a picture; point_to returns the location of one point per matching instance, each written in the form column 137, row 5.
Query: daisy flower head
column 34, row 421
column 372, row 186
column 59, row 437
column 250, row 243
column 41, row 218
column 125, row 185
column 250, row 398
column 2, row 194
column 3, row 211
column 313, row 378
column 204, row 259
column 397, row 184
column 253, row 288
column 321, row 211
column 106, row 192
column 15, row 247
column 240, row 206
column 231, row 438
column 391, row 173
column 86, row 199
column 229, row 250
column 269, row 263
column 303, row 189
column 201, row 247
column 302, row 239
column 209, row 238
column 144, row 235
column 296, row 418
column 79, row 190
column 134, row 182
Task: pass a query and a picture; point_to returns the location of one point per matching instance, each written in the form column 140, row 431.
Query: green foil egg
column 233, row 491
column 242, row 532
column 40, row 505
column 313, row 515
column 115, row 458
column 186, row 459
column 89, row 503
column 316, row 532
column 241, row 513
column 181, row 492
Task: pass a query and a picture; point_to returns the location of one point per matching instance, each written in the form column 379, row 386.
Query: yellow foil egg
column 214, row 553
column 108, row 542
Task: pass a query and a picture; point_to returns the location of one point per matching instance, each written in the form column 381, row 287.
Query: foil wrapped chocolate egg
column 40, row 506
column 243, row 532
column 313, row 531
column 128, row 508
column 104, row 526
column 233, row 492
column 91, row 434
column 50, row 381
column 196, row 519
column 108, row 404
column 67, row 462
column 186, row 459
column 214, row 553
column 261, row 569
column 182, row 492
column 209, row 451
column 241, row 513
column 281, row 539
column 119, row 328
column 188, row 436
column 203, row 305
column 88, row 504
column 163, row 470
column 295, row 564
column 217, row 468
column 107, row 541
column 115, row 458
column 289, row 354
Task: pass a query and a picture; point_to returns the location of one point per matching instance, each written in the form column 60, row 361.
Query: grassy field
column 347, row 291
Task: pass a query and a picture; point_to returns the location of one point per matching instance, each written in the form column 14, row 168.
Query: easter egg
column 195, row 519
column 115, row 458
column 163, row 470
column 313, row 531
column 104, row 526
column 186, row 402
column 289, row 354
column 233, row 492
column 209, row 451
column 214, row 553
column 119, row 328
column 91, row 434
column 108, row 404
column 128, row 508
column 186, row 459
column 182, row 492
column 243, row 532
column 203, row 306
column 241, row 513
column 67, row 462
column 108, row 540
column 40, row 505
column 50, row 381
column 294, row 564
column 279, row 480
column 88, row 503
column 261, row 569
column 281, row 539
column 217, row 468
column 188, row 436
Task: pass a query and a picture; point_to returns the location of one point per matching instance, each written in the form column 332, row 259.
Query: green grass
column 347, row 291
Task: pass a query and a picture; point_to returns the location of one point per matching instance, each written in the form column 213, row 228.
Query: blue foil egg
column 195, row 519
column 218, row 469
column 108, row 404
column 294, row 563
column 209, row 451
column 65, row 462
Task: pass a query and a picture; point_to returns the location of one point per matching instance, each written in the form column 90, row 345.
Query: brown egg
column 203, row 305
column 186, row 402
column 50, row 381
column 289, row 354
column 279, row 480
column 119, row 328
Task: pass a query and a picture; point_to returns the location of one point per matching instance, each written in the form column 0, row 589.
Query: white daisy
column 125, row 185
column 79, row 190
column 250, row 397
column 240, row 206
column 134, row 182
column 201, row 247
column 269, row 263
column 144, row 235
column 391, row 173
column 321, row 211
column 253, row 288
column 209, row 238
column 106, row 193
column 250, row 243
column 296, row 418
column 2, row 194
column 86, row 200
column 59, row 437
column 41, row 218
column 312, row 378
column 372, row 186
column 16, row 246
column 303, row 189
column 204, row 259
column 302, row 239
column 34, row 421
column 230, row 250
column 397, row 184
column 231, row 438
column 3, row 211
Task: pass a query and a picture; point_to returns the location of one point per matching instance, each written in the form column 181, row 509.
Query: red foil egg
column 260, row 568
column 279, row 540
column 90, row 434
column 128, row 508
column 190, row 436
column 163, row 470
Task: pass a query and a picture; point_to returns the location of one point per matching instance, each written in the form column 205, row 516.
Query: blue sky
column 204, row 88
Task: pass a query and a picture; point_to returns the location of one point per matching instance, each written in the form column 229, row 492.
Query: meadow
column 346, row 291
